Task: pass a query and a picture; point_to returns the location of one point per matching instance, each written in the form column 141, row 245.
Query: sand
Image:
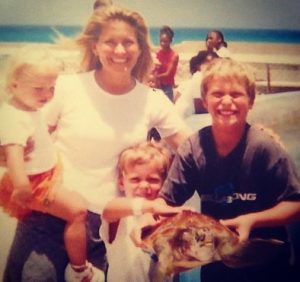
column 265, row 53
column 276, row 66
column 280, row 63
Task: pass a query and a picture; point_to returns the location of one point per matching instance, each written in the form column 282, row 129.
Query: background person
column 215, row 42
column 100, row 4
column 189, row 99
column 168, row 61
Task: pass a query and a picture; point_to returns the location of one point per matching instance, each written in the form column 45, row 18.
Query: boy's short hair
column 228, row 68
column 143, row 153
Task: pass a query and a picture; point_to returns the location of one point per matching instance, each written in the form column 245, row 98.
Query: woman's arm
column 285, row 212
column 14, row 155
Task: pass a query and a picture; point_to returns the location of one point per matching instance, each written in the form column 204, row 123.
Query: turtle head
column 195, row 244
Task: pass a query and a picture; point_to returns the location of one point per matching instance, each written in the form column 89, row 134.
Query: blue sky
column 274, row 14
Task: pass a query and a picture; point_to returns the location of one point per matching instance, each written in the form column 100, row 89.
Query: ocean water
column 47, row 34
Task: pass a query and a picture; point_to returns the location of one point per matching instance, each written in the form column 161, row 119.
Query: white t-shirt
column 93, row 127
column 126, row 261
column 17, row 126
column 189, row 90
column 223, row 52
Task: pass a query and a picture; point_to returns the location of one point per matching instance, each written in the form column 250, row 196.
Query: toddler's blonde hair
column 28, row 59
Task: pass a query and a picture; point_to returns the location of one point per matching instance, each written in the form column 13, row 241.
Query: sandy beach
column 282, row 59
column 280, row 63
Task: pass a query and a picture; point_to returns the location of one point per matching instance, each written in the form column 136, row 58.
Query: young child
column 141, row 171
column 240, row 172
column 35, row 182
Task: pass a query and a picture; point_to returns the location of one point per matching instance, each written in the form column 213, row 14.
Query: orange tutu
column 44, row 186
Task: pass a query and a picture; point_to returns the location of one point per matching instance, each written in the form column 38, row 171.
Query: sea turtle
column 190, row 239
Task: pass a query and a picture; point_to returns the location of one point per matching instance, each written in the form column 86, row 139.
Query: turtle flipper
column 253, row 252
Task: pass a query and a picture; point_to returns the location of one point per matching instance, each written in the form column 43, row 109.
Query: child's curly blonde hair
column 28, row 59
column 144, row 153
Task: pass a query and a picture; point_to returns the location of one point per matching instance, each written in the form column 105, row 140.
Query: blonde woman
column 97, row 113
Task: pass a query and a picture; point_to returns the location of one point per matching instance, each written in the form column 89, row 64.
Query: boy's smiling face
column 228, row 102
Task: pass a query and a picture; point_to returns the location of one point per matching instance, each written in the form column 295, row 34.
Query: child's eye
column 217, row 94
column 38, row 89
column 154, row 180
column 134, row 180
column 110, row 42
column 235, row 94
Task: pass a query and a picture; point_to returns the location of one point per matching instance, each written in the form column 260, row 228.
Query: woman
column 96, row 113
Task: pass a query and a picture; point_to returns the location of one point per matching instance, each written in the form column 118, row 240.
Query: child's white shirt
column 126, row 261
column 17, row 126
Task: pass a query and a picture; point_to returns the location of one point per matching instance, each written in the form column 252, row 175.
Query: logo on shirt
column 225, row 194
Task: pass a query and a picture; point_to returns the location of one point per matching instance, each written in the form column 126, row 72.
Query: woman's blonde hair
column 28, row 59
column 92, row 31
column 144, row 153
column 230, row 69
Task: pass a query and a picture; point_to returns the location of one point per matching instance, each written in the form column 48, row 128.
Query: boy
column 141, row 171
column 239, row 171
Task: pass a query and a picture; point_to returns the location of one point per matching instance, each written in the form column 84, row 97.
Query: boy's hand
column 242, row 225
column 136, row 232
column 22, row 196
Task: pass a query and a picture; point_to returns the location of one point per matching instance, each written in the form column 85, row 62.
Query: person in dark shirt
column 242, row 174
